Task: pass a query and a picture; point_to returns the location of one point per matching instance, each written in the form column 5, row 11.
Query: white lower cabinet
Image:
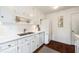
column 26, row 44
column 10, row 50
column 8, row 47
column 41, row 38
column 24, row 48
column 33, row 43
column 36, row 37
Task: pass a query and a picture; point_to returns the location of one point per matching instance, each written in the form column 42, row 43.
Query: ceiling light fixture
column 55, row 7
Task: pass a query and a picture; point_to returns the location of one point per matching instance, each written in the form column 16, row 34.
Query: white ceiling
column 48, row 9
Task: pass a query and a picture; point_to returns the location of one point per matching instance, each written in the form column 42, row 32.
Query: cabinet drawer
column 23, row 40
column 36, row 37
column 8, row 45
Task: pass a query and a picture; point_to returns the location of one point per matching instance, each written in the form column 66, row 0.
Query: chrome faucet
column 24, row 30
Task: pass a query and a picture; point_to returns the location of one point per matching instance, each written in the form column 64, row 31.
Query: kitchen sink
column 22, row 34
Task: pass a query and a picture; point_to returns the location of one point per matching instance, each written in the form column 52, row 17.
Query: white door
column 75, row 23
column 75, row 26
column 45, row 27
column 10, row 50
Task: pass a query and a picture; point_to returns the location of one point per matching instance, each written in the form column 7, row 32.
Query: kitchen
column 28, row 29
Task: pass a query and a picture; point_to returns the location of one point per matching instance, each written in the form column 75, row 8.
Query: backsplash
column 21, row 26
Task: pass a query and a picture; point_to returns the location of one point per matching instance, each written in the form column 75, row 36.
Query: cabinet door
column 27, row 47
column 10, row 50
column 8, row 47
column 34, row 42
column 24, row 48
column 24, row 45
column 33, row 45
column 36, row 37
column 41, row 39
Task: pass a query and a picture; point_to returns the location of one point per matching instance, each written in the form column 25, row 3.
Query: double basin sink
column 22, row 34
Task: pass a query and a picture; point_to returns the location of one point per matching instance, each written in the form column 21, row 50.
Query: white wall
column 75, row 23
column 7, row 21
column 30, row 13
column 62, row 34
column 10, row 13
column 27, row 11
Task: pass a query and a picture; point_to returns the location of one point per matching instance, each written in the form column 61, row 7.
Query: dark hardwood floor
column 61, row 47
column 37, row 50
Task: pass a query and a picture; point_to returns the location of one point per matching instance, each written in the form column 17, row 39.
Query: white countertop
column 7, row 38
column 14, row 37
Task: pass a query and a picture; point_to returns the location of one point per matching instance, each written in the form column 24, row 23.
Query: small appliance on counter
column 38, row 27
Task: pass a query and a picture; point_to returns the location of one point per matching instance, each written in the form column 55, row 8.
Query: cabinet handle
column 9, row 45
